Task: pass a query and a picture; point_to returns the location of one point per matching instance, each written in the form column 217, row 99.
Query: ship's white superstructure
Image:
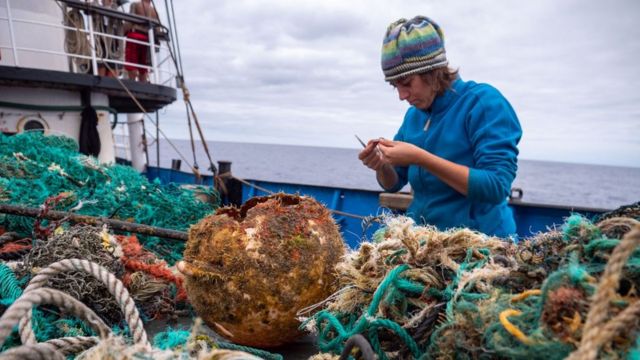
column 49, row 57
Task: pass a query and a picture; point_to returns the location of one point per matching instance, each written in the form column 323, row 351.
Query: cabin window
column 33, row 125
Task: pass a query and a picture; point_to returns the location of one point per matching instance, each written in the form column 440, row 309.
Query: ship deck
column 151, row 97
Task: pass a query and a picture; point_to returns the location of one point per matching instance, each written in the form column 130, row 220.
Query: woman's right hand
column 370, row 156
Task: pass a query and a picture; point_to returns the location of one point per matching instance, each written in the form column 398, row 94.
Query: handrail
column 160, row 66
column 90, row 8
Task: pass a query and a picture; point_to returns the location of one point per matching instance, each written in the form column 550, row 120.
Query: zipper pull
column 426, row 126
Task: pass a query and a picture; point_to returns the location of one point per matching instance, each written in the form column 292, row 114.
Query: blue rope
column 333, row 334
column 253, row 351
column 466, row 265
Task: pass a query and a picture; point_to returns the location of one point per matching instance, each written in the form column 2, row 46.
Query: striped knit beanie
column 412, row 47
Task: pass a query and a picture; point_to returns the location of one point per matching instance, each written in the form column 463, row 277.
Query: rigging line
column 176, row 62
column 193, row 145
column 213, row 168
column 176, row 57
column 135, row 100
column 186, row 97
column 253, row 185
column 185, row 92
column 138, row 104
column 174, row 28
column 337, row 212
column 171, row 25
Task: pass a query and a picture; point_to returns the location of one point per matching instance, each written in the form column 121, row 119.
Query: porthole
column 32, row 123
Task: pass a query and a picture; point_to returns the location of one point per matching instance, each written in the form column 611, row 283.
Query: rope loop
column 113, row 284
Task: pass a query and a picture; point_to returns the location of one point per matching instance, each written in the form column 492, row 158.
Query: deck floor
column 301, row 349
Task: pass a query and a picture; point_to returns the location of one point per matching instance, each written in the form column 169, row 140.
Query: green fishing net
column 35, row 167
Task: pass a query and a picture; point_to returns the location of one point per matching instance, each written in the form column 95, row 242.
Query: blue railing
column 353, row 207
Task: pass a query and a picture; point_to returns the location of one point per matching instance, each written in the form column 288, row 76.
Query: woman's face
column 415, row 90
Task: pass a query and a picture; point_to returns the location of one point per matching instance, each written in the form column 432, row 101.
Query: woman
column 457, row 146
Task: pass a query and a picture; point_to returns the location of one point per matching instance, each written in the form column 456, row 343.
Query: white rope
column 41, row 351
column 115, row 287
column 107, row 47
column 76, row 42
column 22, row 307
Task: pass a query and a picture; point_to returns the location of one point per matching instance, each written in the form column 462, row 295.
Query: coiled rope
column 76, row 42
column 112, row 47
column 23, row 306
column 115, row 287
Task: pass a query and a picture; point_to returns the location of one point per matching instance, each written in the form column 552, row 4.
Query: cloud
column 309, row 73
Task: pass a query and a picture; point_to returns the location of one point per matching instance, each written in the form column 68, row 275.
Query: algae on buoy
column 249, row 270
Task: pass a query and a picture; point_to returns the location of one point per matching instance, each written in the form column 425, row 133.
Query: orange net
column 136, row 258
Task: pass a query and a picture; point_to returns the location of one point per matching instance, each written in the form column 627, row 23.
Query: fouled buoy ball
column 249, row 270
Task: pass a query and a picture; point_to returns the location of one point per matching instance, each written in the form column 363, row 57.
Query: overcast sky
column 308, row 72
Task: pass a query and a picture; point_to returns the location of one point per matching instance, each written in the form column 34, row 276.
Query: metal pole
column 96, row 221
column 157, row 139
column 136, row 141
column 12, row 34
column 92, row 41
column 152, row 48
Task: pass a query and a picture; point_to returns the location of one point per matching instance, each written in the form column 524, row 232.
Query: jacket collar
column 442, row 102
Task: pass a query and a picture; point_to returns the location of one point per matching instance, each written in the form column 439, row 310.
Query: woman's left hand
column 399, row 153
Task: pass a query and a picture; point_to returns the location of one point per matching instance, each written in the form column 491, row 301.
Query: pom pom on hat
column 412, row 47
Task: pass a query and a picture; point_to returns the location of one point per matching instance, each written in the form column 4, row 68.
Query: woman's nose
column 403, row 94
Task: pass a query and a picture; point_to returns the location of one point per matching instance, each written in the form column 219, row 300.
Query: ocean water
column 542, row 182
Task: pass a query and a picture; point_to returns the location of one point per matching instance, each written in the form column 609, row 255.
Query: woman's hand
column 371, row 157
column 399, row 153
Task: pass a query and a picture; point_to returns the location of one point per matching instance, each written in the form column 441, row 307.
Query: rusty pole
column 97, row 221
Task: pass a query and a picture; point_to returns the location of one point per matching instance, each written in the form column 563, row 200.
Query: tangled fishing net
column 157, row 292
column 93, row 339
column 417, row 293
column 34, row 168
column 79, row 242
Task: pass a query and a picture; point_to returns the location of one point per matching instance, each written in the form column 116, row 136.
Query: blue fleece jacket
column 471, row 124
